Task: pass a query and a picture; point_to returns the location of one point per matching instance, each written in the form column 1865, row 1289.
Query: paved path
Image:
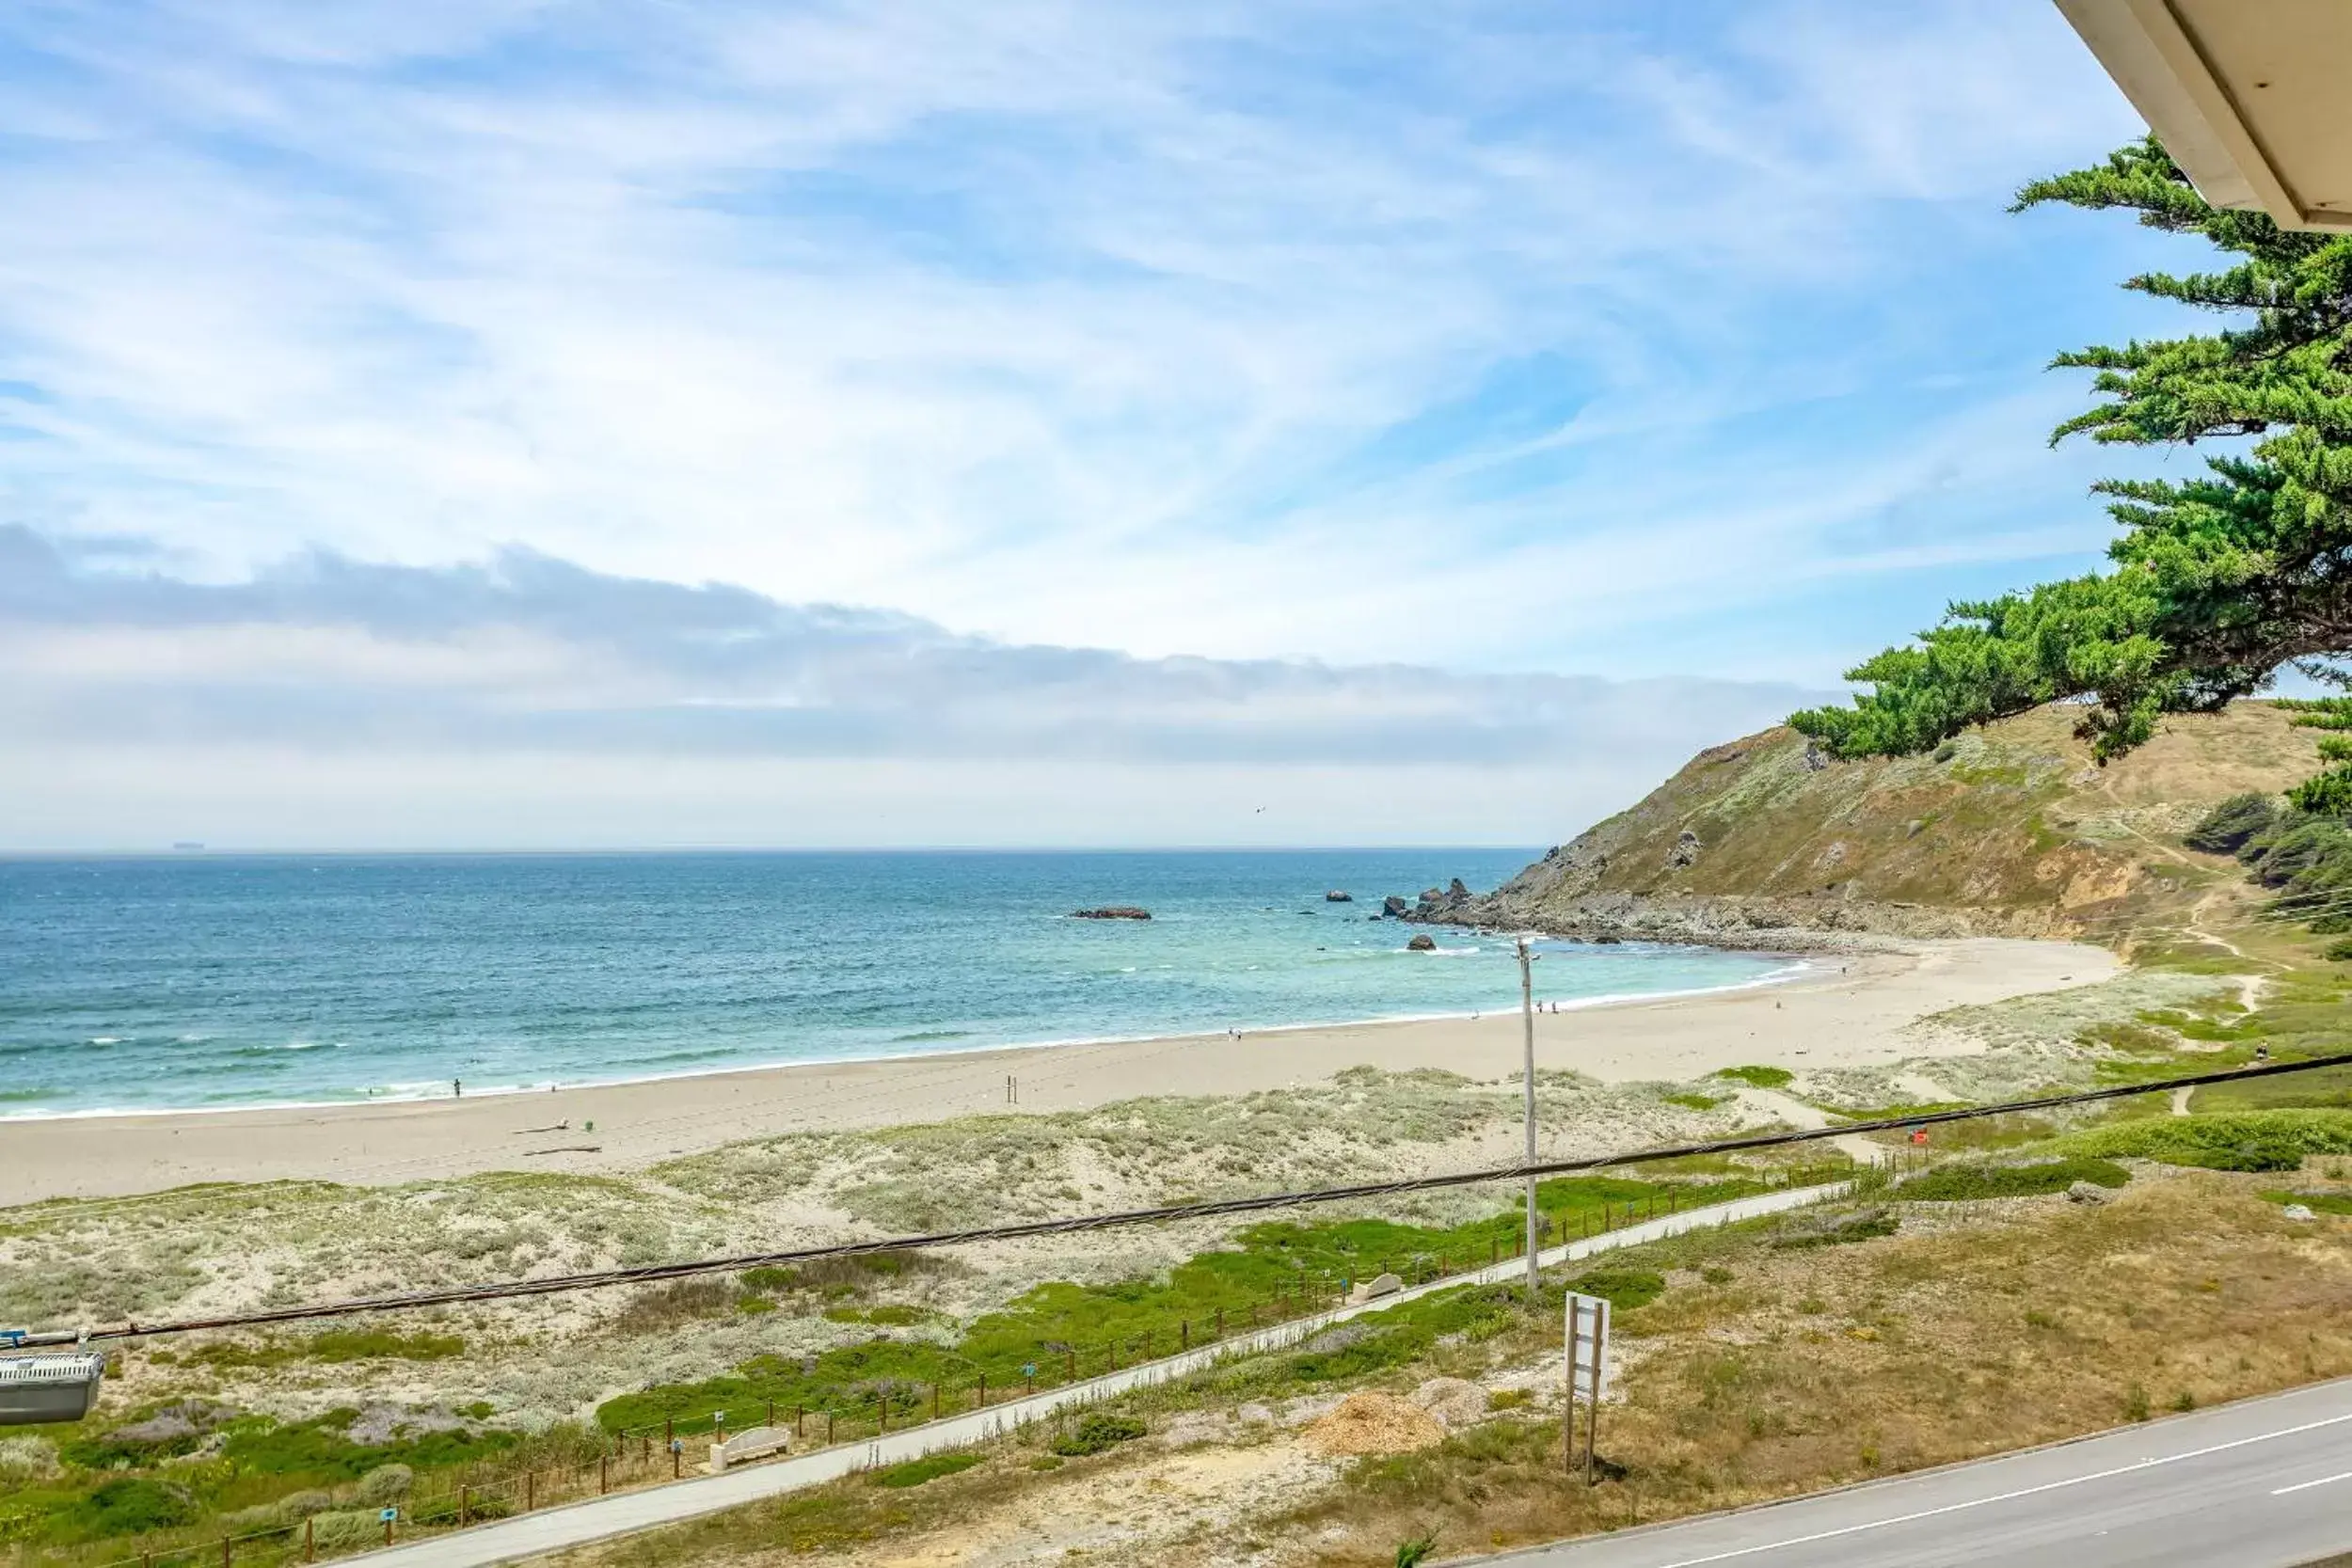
column 2264, row 1483
column 601, row 1518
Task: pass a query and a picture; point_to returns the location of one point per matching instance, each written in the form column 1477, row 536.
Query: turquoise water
column 209, row 981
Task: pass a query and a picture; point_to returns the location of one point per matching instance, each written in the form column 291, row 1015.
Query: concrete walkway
column 601, row 1518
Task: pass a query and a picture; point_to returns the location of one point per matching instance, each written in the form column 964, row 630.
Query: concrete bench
column 744, row 1447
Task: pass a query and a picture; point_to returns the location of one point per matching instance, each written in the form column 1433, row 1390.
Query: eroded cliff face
column 2012, row 830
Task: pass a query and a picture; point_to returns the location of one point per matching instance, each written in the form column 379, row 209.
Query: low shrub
column 2243, row 1140
column 914, row 1472
column 1963, row 1184
column 1103, row 1430
column 128, row 1505
column 386, row 1483
column 1862, row 1226
column 1623, row 1289
column 1759, row 1077
column 340, row 1531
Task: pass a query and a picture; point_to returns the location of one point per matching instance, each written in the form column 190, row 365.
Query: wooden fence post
column 934, row 1399
column 309, row 1541
column 226, row 1546
column 531, row 1490
column 465, row 1506
column 604, row 1474
column 981, row 1396
column 1220, row 1323
column 828, row 1426
column 1183, row 1333
column 1071, row 1357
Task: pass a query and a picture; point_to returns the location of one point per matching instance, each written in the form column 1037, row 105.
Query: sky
column 530, row 424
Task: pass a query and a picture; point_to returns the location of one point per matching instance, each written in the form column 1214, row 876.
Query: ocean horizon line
column 211, row 852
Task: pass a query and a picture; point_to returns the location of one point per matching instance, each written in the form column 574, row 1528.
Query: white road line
column 2282, row 1491
column 2022, row 1492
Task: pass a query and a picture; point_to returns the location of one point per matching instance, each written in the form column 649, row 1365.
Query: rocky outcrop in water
column 1422, row 942
column 1112, row 911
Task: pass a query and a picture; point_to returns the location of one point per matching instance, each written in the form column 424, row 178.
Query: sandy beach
column 1849, row 1010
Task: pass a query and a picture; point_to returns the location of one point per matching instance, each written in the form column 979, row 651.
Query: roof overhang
column 2252, row 98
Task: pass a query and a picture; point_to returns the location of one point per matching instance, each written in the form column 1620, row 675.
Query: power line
column 652, row 1273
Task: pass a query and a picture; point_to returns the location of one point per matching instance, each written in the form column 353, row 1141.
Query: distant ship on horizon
column 186, row 845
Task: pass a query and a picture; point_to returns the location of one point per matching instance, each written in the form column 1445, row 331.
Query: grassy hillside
column 2012, row 830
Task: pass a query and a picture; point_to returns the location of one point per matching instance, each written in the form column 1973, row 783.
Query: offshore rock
column 1336, row 897
column 1112, row 911
column 1422, row 942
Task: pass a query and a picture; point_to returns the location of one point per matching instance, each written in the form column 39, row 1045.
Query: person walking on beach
column 456, row 1089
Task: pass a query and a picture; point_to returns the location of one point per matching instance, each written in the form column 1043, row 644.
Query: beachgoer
column 456, row 1089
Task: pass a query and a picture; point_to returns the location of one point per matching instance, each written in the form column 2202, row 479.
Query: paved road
column 2267, row 1483
column 601, row 1518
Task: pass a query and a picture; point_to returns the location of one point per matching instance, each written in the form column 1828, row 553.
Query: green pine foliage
column 2226, row 828
column 2220, row 580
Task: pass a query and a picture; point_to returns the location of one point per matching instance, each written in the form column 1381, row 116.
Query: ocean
column 207, row 981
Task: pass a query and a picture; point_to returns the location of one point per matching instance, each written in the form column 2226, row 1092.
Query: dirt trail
column 1796, row 1113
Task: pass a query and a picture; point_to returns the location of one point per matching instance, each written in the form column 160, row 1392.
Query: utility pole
column 1526, row 1016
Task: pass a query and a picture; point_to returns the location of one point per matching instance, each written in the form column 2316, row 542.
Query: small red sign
column 1918, row 1134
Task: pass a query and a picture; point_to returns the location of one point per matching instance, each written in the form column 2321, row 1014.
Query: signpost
column 1588, row 1374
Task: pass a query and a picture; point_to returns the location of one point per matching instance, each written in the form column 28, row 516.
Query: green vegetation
column 1694, row 1100
column 914, row 1472
column 1759, row 1077
column 2262, row 1140
column 178, row 1464
column 2224, row 829
column 1864, row 1225
column 1097, row 1432
column 1051, row 1327
column 2318, row 1203
column 2222, row 578
column 1965, row 1182
column 1624, row 1288
column 2327, row 1087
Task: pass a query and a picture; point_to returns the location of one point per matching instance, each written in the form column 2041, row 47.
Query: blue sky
column 1591, row 342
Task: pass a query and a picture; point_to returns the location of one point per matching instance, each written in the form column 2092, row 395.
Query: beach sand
column 1849, row 1010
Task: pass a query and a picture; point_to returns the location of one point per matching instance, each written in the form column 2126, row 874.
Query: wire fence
column 654, row 1453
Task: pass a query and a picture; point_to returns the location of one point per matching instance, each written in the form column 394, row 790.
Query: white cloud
column 1050, row 321
column 328, row 702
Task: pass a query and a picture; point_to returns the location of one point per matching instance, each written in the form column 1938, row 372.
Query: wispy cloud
column 1083, row 323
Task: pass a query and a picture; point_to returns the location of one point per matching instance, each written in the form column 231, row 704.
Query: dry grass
column 2021, row 1323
